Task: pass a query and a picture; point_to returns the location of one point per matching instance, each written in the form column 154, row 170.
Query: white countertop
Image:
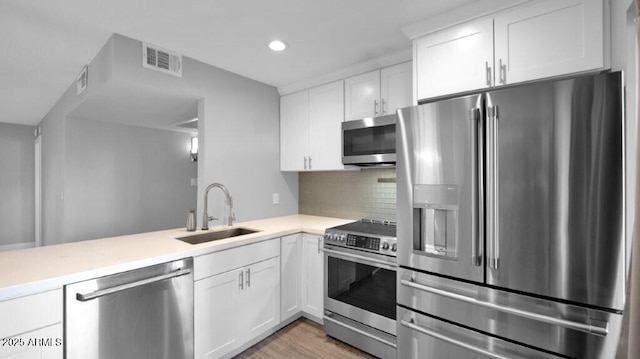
column 34, row 270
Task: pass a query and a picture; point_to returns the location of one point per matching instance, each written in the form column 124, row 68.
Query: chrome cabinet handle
column 476, row 259
column 102, row 292
column 359, row 257
column 384, row 106
column 241, row 280
column 248, row 277
column 362, row 332
column 375, row 107
column 305, row 162
column 503, row 72
column 319, row 244
column 309, row 162
column 488, row 72
column 411, row 325
column 588, row 328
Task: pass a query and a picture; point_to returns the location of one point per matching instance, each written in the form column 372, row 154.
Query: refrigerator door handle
column 411, row 325
column 476, row 199
column 494, row 247
column 594, row 327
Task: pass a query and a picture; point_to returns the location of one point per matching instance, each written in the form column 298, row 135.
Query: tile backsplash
column 368, row 193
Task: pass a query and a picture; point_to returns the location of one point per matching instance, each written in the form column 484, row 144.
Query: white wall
column 17, row 184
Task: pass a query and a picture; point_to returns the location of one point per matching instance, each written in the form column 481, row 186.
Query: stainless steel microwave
column 370, row 141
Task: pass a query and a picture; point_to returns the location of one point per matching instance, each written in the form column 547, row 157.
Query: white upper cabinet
column 326, row 108
column 378, row 92
column 396, row 87
column 362, row 96
column 310, row 129
column 549, row 38
column 455, row 60
column 294, row 131
column 539, row 39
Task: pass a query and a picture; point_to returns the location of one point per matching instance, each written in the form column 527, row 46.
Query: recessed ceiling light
column 277, row 45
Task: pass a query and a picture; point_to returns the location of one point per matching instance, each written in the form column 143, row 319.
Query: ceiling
column 45, row 44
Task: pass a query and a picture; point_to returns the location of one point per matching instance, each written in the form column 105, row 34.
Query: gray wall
column 122, row 179
column 238, row 131
column 238, row 135
column 17, row 184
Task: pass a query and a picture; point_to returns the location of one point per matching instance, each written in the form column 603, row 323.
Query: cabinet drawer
column 24, row 314
column 223, row 261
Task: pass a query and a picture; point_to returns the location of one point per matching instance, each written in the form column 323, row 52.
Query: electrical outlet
column 276, row 198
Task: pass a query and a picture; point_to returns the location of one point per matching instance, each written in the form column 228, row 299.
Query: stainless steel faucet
column 229, row 200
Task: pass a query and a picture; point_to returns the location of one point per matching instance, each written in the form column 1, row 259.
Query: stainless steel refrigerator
column 511, row 238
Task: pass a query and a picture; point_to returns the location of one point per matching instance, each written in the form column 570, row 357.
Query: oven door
column 361, row 286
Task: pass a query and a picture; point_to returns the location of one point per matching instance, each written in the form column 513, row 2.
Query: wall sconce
column 194, row 149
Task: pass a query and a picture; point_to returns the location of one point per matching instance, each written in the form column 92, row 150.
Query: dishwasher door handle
column 102, row 292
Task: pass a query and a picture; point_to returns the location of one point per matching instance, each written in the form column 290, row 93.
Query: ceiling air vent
column 163, row 60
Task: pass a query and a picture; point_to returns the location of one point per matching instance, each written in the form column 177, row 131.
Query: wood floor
column 301, row 339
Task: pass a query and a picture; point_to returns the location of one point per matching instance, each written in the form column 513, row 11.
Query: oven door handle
column 359, row 257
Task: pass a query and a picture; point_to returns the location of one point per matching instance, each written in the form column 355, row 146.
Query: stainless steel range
column 360, row 285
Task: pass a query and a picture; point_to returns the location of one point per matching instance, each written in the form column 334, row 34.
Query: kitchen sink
column 216, row 235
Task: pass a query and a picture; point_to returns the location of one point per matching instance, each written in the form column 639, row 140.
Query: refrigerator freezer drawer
column 421, row 336
column 570, row 330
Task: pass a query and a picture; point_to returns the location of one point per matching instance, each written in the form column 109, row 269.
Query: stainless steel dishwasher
column 145, row 313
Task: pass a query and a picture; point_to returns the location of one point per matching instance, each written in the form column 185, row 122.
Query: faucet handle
column 212, row 218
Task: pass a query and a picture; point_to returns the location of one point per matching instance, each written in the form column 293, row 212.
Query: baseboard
column 16, row 246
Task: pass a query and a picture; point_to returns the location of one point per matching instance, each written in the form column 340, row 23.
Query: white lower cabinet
column 31, row 327
column 238, row 304
column 312, row 275
column 302, row 276
column 290, row 276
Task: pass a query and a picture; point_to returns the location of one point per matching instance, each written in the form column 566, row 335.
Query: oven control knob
column 385, row 245
column 327, row 236
column 336, row 237
column 394, row 247
column 342, row 238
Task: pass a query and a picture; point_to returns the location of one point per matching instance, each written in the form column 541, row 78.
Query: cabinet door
column 326, row 114
column 261, row 297
column 290, row 277
column 362, row 96
column 294, row 131
column 312, row 275
column 217, row 314
column 454, row 60
column 396, row 87
column 549, row 38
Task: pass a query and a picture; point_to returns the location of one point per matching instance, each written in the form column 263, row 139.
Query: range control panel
column 362, row 241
